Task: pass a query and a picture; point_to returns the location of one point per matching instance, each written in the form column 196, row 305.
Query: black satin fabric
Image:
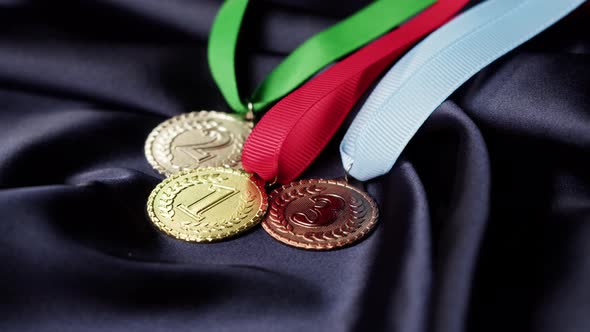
column 485, row 220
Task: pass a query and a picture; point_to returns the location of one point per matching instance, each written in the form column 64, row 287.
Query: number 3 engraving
column 321, row 210
column 217, row 194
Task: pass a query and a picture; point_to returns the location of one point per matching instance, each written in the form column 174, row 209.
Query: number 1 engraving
column 217, row 194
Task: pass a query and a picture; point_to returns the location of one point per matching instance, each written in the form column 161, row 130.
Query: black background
column 485, row 219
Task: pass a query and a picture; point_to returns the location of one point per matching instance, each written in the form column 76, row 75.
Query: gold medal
column 319, row 214
column 197, row 139
column 207, row 204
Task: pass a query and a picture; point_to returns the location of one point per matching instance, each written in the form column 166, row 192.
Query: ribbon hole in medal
column 274, row 181
column 351, row 180
column 250, row 114
column 347, row 173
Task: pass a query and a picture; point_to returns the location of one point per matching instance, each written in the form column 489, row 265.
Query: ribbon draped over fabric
column 293, row 132
column 432, row 71
column 310, row 57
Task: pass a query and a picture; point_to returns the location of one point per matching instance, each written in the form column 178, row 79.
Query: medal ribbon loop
column 432, row 71
column 317, row 52
column 291, row 134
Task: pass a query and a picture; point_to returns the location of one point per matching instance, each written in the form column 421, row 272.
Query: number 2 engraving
column 201, row 152
column 217, row 194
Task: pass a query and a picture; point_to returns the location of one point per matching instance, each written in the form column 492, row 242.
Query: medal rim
column 256, row 219
column 162, row 126
column 317, row 246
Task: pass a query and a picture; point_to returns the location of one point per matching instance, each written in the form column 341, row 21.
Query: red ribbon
column 293, row 133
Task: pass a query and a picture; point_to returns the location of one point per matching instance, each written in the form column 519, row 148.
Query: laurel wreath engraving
column 166, row 205
column 357, row 210
column 188, row 122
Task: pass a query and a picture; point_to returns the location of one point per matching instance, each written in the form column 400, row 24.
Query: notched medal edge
column 153, row 135
column 256, row 219
column 348, row 242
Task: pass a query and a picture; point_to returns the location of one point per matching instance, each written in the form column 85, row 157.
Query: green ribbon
column 314, row 54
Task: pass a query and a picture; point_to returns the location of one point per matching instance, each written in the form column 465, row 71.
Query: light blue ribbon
column 433, row 70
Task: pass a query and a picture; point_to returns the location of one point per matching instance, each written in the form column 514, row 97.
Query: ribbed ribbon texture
column 293, row 133
column 310, row 57
column 428, row 74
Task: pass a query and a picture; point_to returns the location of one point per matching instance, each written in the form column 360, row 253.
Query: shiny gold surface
column 197, row 139
column 207, row 204
column 320, row 214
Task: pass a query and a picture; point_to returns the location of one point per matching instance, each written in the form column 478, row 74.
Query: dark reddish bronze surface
column 319, row 214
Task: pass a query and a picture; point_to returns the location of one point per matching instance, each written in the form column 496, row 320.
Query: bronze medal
column 319, row 214
column 197, row 139
column 207, row 204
